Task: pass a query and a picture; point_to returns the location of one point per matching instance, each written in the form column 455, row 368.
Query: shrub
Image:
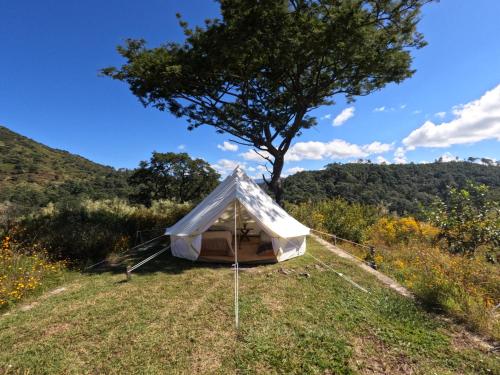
column 336, row 216
column 393, row 230
column 463, row 287
column 90, row 230
column 467, row 219
column 23, row 269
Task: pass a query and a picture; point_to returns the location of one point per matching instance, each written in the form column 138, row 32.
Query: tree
column 487, row 161
column 467, row 219
column 258, row 72
column 172, row 176
column 472, row 159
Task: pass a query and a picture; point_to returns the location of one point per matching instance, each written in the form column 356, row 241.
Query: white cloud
column 293, row 170
column 474, row 122
column 228, row 146
column 253, row 156
column 381, row 160
column 326, row 117
column 335, row 149
column 440, row 114
column 251, row 169
column 345, row 115
column 402, row 106
column 400, row 156
column 417, row 112
column 387, row 109
column 456, row 109
column 225, row 166
column 316, row 150
column 377, row 148
column 181, row 147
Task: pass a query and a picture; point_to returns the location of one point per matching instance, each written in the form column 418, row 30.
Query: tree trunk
column 275, row 185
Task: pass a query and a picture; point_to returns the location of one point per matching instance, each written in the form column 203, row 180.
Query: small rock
column 28, row 307
column 284, row 271
column 305, row 274
column 57, row 291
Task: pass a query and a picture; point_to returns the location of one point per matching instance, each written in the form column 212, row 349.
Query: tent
column 238, row 217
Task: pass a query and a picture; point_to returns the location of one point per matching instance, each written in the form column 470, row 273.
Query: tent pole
column 236, row 270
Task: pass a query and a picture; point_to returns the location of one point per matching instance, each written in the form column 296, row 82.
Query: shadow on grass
column 165, row 262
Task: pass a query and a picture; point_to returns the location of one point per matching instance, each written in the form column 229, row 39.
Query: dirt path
column 386, row 280
column 28, row 306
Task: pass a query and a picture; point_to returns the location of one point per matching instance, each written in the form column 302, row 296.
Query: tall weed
column 91, row 230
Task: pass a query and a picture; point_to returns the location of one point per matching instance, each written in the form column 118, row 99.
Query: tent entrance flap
column 255, row 245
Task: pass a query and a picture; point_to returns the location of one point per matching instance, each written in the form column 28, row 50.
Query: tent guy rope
column 339, row 274
column 123, row 252
column 130, row 269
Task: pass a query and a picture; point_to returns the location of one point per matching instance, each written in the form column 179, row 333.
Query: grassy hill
column 176, row 316
column 400, row 187
column 34, row 174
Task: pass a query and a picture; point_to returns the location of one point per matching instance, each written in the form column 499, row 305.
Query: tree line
column 400, row 188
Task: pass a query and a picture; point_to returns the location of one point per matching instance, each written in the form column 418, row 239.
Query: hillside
column 34, row 174
column 400, row 187
column 177, row 317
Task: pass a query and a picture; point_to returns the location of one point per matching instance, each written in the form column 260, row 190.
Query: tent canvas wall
column 237, row 205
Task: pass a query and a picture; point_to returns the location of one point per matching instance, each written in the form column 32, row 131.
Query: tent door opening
column 254, row 244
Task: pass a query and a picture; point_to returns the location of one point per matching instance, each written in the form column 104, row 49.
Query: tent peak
column 238, row 172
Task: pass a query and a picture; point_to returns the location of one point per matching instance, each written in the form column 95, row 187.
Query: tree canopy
column 257, row 72
column 172, row 176
column 401, row 188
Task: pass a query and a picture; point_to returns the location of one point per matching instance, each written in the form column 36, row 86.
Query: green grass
column 177, row 317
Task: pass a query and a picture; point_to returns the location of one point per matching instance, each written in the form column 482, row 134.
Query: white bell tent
column 238, row 221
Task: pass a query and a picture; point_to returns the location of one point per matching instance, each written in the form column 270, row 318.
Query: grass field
column 175, row 316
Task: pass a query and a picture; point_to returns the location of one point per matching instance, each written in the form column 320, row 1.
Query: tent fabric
column 187, row 247
column 286, row 248
column 238, row 192
column 238, row 186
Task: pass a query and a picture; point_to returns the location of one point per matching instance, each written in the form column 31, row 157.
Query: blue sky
column 51, row 92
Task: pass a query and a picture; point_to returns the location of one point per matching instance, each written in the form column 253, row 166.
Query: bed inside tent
column 238, row 219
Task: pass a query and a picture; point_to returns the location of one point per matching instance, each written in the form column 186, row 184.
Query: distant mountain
column 402, row 188
column 33, row 174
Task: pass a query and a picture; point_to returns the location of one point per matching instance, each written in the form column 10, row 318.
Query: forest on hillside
column 32, row 174
column 401, row 188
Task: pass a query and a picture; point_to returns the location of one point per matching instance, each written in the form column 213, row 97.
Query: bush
column 336, row 216
column 91, row 230
column 23, row 269
column 463, row 287
column 393, row 230
column 468, row 220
